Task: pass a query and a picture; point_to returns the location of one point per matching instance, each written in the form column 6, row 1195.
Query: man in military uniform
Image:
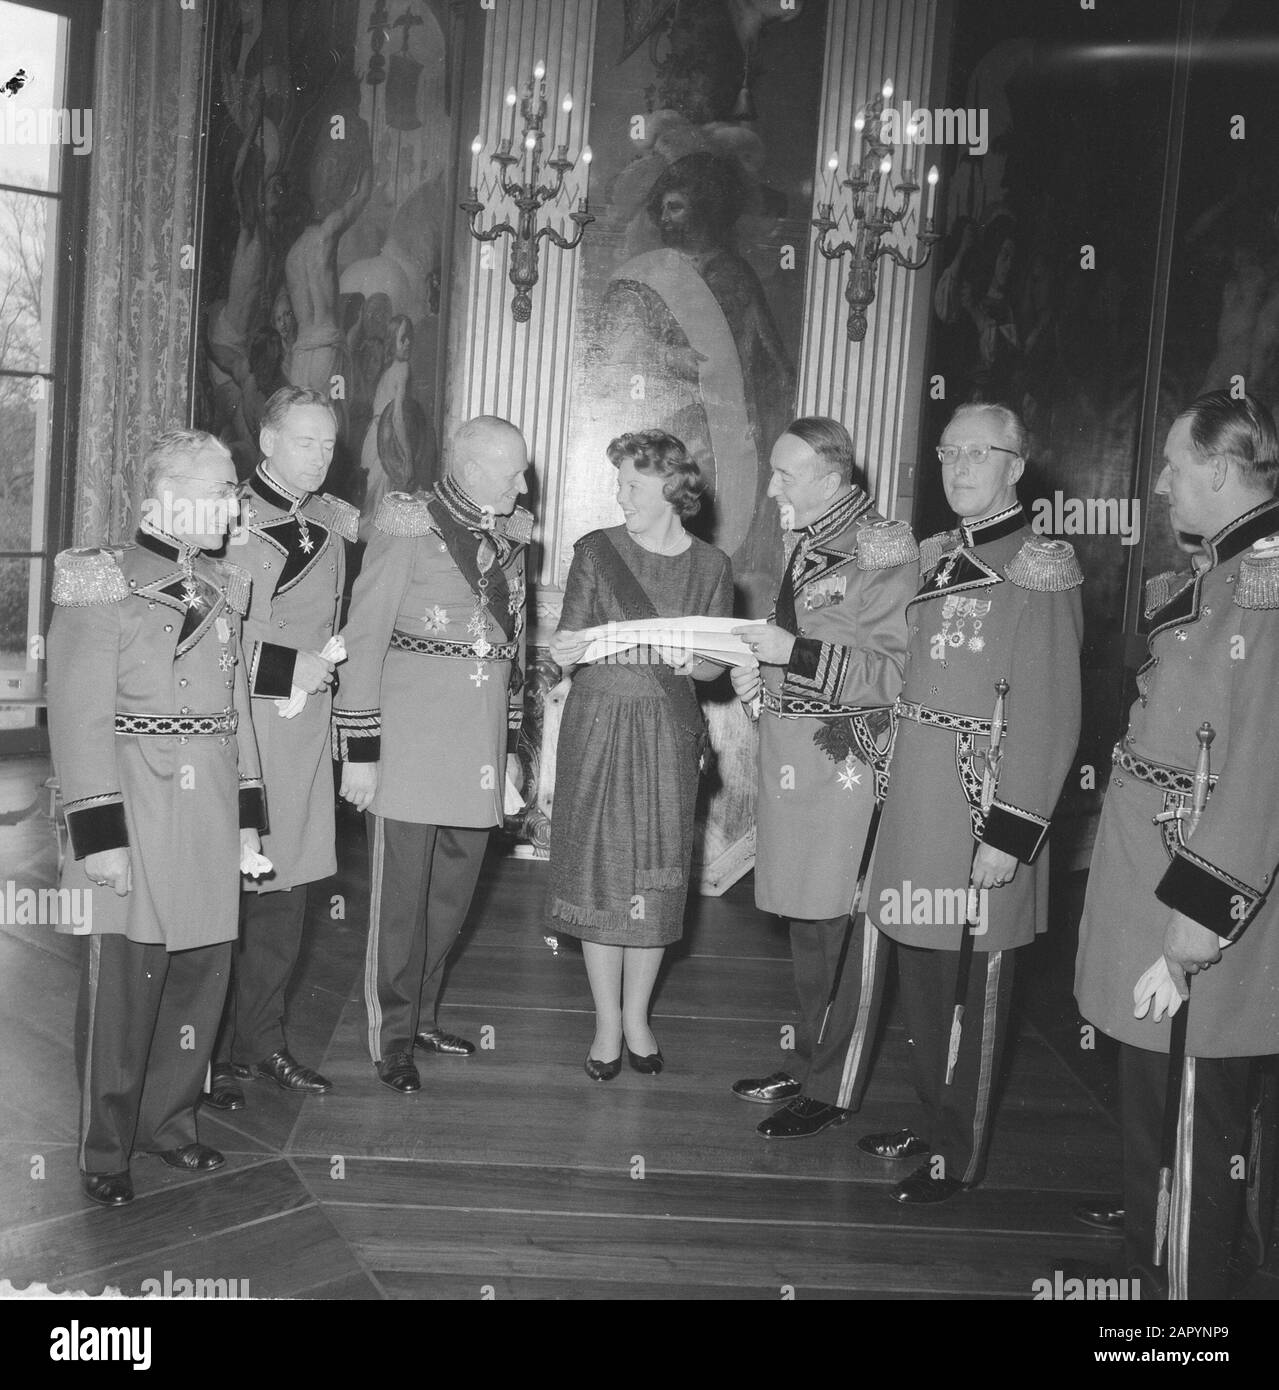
column 1195, row 900
column 153, row 745
column 996, row 604
column 428, row 705
column 831, row 663
column 293, row 543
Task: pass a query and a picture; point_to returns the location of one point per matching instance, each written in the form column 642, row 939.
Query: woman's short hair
column 655, row 451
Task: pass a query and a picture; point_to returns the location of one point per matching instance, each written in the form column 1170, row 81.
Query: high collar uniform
column 996, row 602
column 294, row 547
column 151, row 736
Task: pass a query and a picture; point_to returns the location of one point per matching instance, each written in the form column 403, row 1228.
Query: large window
column 46, row 144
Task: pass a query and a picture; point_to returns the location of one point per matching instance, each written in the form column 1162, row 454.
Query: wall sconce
column 872, row 218
column 526, row 190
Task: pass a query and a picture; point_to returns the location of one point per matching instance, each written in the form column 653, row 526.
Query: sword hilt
column 1203, row 772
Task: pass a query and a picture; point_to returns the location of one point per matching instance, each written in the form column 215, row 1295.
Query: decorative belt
column 798, row 707
column 463, row 651
column 941, row 718
column 186, row 725
column 1161, row 775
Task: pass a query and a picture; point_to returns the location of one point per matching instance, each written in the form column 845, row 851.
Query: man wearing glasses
column 996, row 604
column 153, row 745
column 293, row 542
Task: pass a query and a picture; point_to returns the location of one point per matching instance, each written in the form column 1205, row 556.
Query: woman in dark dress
column 631, row 743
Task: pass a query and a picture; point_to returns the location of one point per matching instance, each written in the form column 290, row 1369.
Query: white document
column 335, row 651
column 711, row 638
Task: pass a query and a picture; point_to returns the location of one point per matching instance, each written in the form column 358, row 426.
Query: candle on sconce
column 859, row 124
column 908, row 151
column 539, row 71
column 530, row 158
column 885, row 183
column 567, row 107
column 511, row 99
column 888, row 89
column 832, row 167
column 476, row 146
column 586, row 177
column 933, row 176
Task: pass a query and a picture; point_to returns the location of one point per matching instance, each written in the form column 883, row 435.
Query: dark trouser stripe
column 855, row 1057
column 1178, row 1255
column 372, row 1006
column 990, row 1023
column 94, row 967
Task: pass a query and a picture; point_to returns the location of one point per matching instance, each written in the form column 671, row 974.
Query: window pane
column 28, row 265
column 34, row 125
column 24, row 462
column 20, row 582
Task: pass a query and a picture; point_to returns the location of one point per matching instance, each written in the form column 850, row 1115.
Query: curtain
column 140, row 278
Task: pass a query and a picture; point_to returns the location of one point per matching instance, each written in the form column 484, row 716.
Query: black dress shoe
column 108, row 1189
column 902, row 1143
column 803, row 1117
column 290, row 1075
column 768, row 1090
column 195, row 1158
column 923, row 1189
column 649, row 1065
column 436, row 1040
column 603, row 1071
column 397, row 1071
column 224, row 1092
column 1105, row 1216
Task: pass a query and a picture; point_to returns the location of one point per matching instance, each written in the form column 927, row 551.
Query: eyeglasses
column 220, row 492
column 975, row 453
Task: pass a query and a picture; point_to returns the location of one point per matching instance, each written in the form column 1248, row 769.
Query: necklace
column 681, row 544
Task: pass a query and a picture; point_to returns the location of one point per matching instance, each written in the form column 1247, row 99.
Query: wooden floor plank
column 484, row 1246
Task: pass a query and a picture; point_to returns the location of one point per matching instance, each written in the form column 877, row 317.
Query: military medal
column 304, row 535
column 435, row 619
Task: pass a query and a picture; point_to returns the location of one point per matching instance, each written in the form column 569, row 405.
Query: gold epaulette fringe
column 89, row 576
column 403, row 514
column 236, row 585
column 342, row 518
column 884, row 545
column 934, row 547
column 1045, row 565
column 1163, row 588
column 1258, row 583
column 518, row 527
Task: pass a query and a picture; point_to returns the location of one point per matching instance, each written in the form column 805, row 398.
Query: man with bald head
column 425, row 723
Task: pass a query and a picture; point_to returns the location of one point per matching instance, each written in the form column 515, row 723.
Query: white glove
column 334, row 650
column 1156, row 986
column 253, row 864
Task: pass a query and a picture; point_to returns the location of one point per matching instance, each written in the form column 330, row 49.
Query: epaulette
column 342, row 517
column 1163, row 588
column 1258, row 582
column 518, row 527
column 934, row 547
column 883, row 545
column 403, row 514
column 1045, row 565
column 89, row 576
column 236, row 584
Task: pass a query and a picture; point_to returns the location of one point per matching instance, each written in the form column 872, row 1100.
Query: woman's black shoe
column 649, row 1065
column 603, row 1071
